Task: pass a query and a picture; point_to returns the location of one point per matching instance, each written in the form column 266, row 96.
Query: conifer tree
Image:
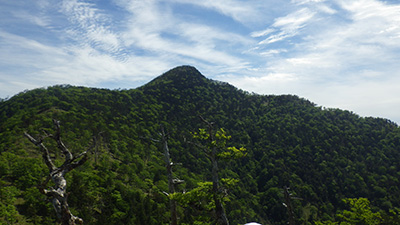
column 215, row 148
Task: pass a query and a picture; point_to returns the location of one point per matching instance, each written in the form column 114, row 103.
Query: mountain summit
column 182, row 76
column 323, row 155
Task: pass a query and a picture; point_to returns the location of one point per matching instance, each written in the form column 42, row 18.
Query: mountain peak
column 181, row 75
column 183, row 69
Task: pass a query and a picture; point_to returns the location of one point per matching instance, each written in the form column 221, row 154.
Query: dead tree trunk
column 171, row 180
column 288, row 204
column 58, row 193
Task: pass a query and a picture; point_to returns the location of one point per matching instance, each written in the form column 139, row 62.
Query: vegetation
column 361, row 213
column 215, row 148
column 58, row 194
column 323, row 155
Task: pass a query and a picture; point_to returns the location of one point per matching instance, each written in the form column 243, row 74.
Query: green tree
column 360, row 213
column 214, row 145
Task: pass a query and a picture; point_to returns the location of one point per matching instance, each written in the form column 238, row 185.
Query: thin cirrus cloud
column 156, row 29
column 89, row 26
column 236, row 10
column 336, row 53
column 288, row 26
column 350, row 62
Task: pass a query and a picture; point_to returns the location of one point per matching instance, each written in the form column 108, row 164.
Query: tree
column 288, row 204
column 58, row 193
column 171, row 180
column 360, row 214
column 215, row 148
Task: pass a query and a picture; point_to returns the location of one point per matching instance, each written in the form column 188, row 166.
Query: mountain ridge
column 324, row 155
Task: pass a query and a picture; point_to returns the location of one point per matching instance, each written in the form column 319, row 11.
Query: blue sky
column 336, row 53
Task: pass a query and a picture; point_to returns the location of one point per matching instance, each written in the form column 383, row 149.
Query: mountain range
column 324, row 155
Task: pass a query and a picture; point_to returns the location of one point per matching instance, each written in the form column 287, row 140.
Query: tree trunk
column 171, row 180
column 171, row 187
column 220, row 215
column 221, row 218
column 56, row 174
column 288, row 205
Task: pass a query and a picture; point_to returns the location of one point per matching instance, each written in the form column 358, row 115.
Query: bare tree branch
column 58, row 192
column 61, row 146
column 45, row 152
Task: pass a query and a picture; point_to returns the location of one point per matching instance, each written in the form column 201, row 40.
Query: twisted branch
column 56, row 174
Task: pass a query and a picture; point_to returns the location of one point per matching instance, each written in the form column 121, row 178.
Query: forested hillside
column 323, row 155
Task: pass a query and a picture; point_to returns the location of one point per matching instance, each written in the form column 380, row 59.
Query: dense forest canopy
column 323, row 155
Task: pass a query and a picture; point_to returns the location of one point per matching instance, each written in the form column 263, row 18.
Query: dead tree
column 171, row 180
column 288, row 204
column 58, row 193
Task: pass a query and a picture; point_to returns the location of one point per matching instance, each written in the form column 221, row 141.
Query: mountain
column 323, row 155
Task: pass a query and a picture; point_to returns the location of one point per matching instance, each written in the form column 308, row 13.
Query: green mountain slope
column 323, row 155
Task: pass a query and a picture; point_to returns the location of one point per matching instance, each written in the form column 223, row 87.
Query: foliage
column 323, row 155
column 215, row 148
column 199, row 197
column 220, row 143
column 360, row 213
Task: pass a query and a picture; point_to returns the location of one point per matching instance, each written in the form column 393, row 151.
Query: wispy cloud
column 89, row 25
column 262, row 33
column 287, row 26
column 149, row 30
column 235, row 9
column 40, row 20
column 151, row 36
column 302, row 2
column 350, row 62
column 318, row 49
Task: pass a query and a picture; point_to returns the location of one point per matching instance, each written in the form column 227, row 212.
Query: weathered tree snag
column 221, row 218
column 168, row 165
column 56, row 174
column 171, row 180
column 288, row 204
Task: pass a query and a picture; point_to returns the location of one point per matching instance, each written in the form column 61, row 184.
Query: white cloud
column 359, row 44
column 89, row 25
column 272, row 52
column 262, row 33
column 375, row 22
column 326, row 9
column 149, row 31
column 312, row 48
column 39, row 20
column 377, row 98
column 289, row 26
column 76, row 65
column 294, row 20
column 349, row 62
column 235, row 9
column 25, row 52
column 301, row 2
